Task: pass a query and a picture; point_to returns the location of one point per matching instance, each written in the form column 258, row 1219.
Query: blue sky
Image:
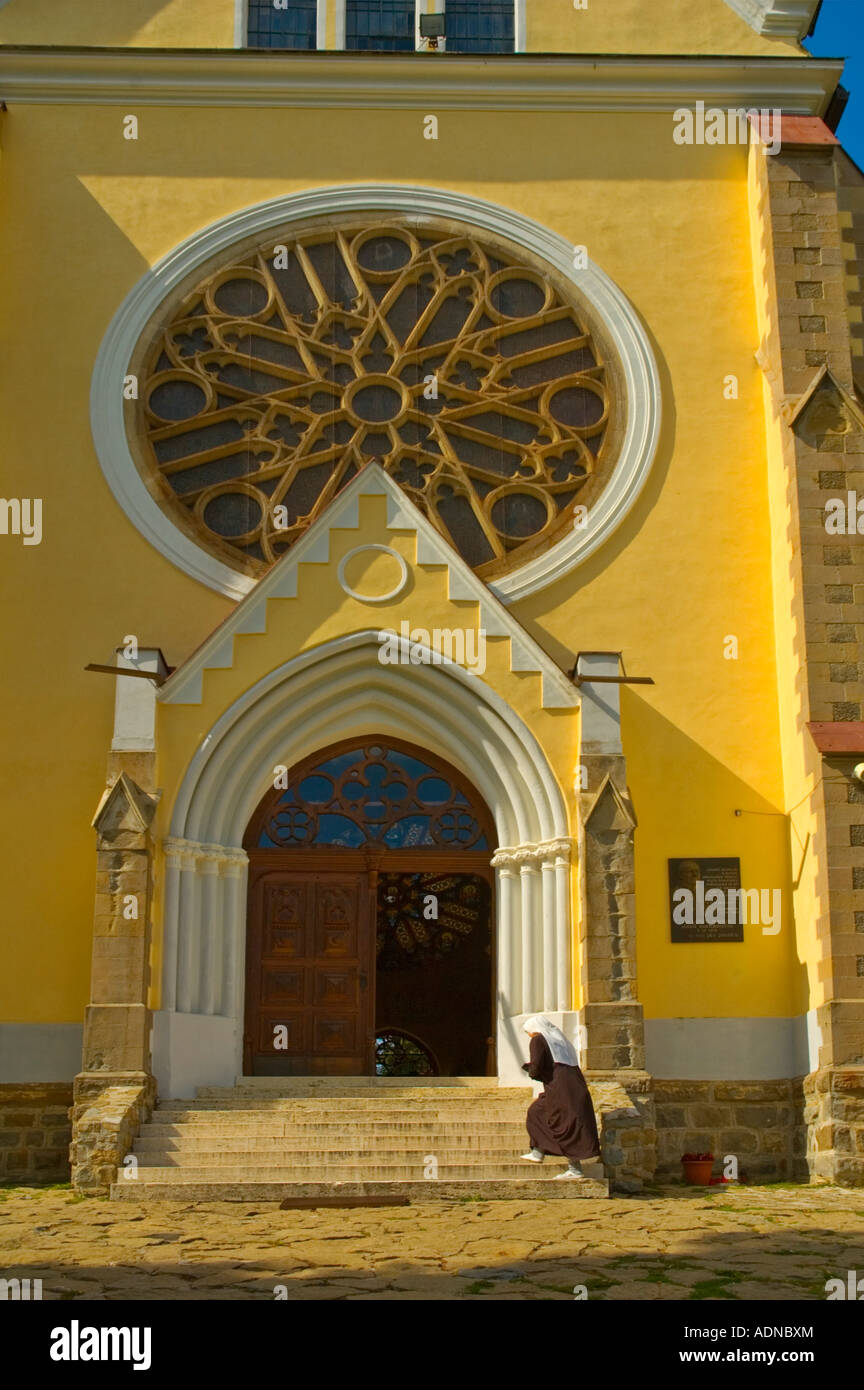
column 840, row 34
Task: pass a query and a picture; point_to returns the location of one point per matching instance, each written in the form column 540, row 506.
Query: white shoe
column 574, row 1174
column 534, row 1156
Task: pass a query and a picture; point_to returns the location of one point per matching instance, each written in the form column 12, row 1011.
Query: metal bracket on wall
column 122, row 671
column 610, row 680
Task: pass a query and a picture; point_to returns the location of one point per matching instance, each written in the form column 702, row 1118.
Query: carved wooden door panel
column 310, row 974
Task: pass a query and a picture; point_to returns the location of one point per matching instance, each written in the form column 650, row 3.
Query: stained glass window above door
column 467, row 369
column 377, row 794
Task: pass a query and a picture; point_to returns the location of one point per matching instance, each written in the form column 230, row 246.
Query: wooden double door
column 311, row 969
column 310, row 958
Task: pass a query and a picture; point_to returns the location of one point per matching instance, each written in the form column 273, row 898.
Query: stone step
column 300, row 1110
column 198, row 1189
column 367, row 1146
column 457, row 1112
column 236, row 1168
column 281, row 1088
column 375, row 1124
column 341, row 1085
column 426, row 1100
column 309, row 1137
column 254, row 1158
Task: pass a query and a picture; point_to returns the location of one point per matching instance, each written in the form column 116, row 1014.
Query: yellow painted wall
column 802, row 763
column 119, row 23
column 86, row 212
column 643, row 26
column 552, row 26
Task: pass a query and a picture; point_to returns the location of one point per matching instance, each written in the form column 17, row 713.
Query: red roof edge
column 837, row 737
column 802, row 130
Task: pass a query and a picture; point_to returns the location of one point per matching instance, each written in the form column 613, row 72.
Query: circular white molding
column 375, row 598
column 614, row 312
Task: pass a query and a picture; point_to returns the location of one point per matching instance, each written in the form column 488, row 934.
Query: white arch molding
column 612, row 309
column 336, row 691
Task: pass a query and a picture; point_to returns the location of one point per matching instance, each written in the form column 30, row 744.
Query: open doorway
column 433, row 986
column 370, row 943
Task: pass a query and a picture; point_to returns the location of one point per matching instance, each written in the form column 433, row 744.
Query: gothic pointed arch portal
column 340, row 691
column 369, row 942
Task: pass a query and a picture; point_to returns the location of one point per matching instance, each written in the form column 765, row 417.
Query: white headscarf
column 561, row 1048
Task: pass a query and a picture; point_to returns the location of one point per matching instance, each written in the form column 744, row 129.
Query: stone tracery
column 465, row 371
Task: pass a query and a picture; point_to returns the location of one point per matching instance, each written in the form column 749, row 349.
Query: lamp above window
column 432, row 28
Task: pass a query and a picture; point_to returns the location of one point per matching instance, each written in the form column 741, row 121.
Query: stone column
column 532, row 939
column 199, row 1026
column 203, row 937
column 115, row 1088
column 550, row 962
column 562, row 927
column 509, row 993
column 534, row 954
column 611, row 1015
column 115, row 1091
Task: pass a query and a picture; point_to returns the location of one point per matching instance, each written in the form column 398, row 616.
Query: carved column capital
column 530, row 854
column 205, row 858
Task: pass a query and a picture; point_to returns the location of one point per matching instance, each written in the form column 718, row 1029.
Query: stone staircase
column 273, row 1138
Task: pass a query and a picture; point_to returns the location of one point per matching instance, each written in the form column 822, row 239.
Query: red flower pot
column 697, row 1171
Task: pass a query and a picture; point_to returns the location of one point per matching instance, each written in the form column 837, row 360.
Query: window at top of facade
column 479, row 26
column 294, row 26
column 380, row 25
column 376, row 26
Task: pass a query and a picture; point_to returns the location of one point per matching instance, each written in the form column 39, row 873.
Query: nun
column 561, row 1120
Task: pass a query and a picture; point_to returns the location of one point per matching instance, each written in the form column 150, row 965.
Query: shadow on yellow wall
column 685, row 801
column 118, row 23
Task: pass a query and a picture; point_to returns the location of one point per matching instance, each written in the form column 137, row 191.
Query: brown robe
column 561, row 1121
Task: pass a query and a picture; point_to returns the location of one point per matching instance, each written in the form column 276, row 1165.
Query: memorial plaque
column 714, row 909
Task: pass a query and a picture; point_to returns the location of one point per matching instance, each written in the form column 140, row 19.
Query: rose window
column 471, row 376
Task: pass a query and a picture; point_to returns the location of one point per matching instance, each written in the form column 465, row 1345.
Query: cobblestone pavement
column 775, row 1242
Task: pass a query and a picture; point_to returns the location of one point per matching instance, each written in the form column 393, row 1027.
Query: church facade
column 445, row 419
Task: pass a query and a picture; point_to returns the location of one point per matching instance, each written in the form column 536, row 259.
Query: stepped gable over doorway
column 369, row 946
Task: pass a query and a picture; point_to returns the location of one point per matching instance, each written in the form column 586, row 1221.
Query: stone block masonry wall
column 35, row 1130
column 625, row 1121
column 760, row 1122
column 104, row 1130
column 834, row 1110
column 611, row 1013
column 850, row 202
column 810, row 200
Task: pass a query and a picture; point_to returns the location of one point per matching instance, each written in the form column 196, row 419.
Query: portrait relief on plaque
column 705, row 900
